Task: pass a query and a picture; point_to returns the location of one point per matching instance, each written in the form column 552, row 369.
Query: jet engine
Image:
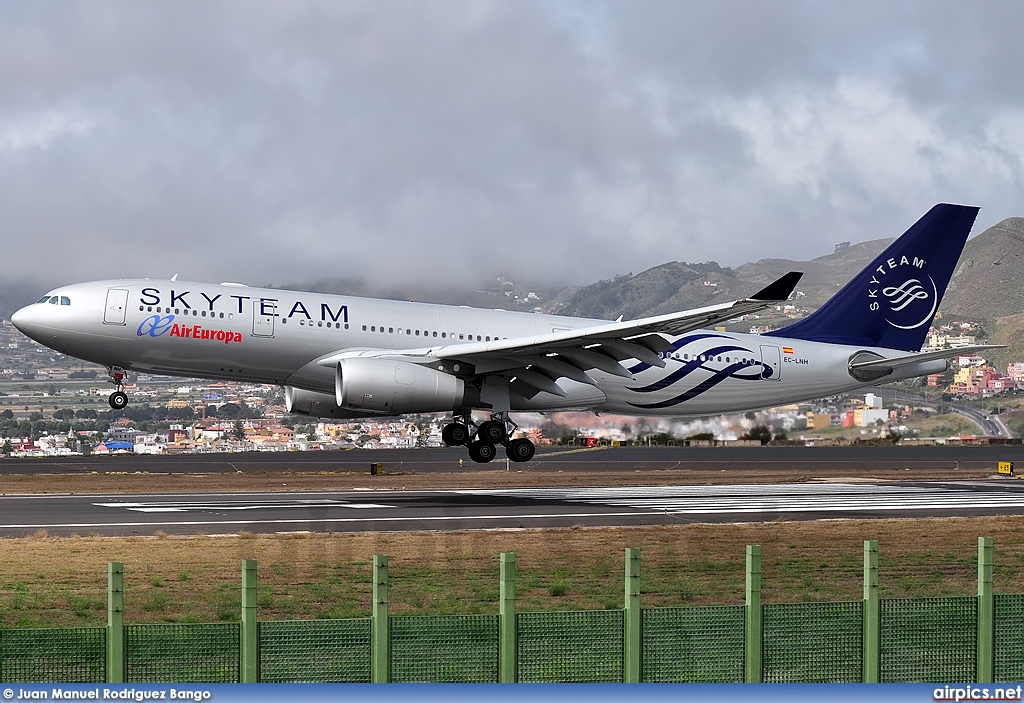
column 395, row 387
column 365, row 387
column 303, row 402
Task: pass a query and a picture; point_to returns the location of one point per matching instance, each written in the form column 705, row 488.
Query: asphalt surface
column 360, row 511
column 612, row 459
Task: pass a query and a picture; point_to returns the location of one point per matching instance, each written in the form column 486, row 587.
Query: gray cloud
column 443, row 142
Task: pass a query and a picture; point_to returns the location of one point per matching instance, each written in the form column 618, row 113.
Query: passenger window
column 391, row 330
column 417, row 333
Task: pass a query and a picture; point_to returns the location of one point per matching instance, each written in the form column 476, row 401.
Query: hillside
column 679, row 286
column 986, row 284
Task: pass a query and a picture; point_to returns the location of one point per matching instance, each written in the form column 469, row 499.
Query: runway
column 554, row 459
column 359, row 511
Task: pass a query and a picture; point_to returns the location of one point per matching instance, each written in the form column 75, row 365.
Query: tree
column 760, row 433
column 7, row 414
column 7, row 448
column 238, row 432
column 229, row 410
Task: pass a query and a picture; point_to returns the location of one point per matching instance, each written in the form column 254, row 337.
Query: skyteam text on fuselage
column 345, row 357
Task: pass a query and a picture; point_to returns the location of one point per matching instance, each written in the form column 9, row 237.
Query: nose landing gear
column 482, row 440
column 118, row 399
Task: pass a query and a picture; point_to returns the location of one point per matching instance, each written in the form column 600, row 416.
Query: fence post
column 986, row 612
column 115, row 622
column 633, row 616
column 754, row 614
column 250, row 626
column 872, row 633
column 381, row 638
column 508, row 643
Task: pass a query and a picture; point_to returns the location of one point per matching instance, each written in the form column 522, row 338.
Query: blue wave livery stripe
column 687, row 368
column 679, row 344
column 731, row 371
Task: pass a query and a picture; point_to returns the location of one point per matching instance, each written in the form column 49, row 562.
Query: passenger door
column 117, row 306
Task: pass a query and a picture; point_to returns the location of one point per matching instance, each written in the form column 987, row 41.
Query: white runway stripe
column 785, row 498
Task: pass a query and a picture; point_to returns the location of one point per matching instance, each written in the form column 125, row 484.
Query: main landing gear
column 482, row 440
column 118, row 399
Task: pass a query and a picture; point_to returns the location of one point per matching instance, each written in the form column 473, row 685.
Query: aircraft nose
column 22, row 319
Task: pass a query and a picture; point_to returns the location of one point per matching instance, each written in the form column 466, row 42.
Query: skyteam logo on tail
column 906, row 304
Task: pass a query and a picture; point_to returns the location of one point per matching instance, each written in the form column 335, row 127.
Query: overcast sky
column 441, row 142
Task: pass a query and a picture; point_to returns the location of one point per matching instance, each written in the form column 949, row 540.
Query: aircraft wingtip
column 779, row 289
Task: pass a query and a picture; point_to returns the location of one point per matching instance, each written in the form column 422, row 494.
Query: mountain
column 986, row 284
column 679, row 286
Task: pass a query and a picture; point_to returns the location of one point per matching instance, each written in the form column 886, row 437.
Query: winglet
column 780, row 289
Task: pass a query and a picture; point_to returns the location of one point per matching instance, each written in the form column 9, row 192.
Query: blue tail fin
column 891, row 303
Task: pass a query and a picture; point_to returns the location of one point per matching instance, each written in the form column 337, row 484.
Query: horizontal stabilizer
column 911, row 359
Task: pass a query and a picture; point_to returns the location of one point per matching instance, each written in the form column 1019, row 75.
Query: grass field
column 51, row 581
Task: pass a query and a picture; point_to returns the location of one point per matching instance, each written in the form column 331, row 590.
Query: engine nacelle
column 395, row 387
column 315, row 404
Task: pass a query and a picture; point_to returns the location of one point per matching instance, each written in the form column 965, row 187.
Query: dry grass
column 46, row 581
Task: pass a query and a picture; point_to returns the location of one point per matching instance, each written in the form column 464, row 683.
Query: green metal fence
column 1009, row 638
column 693, row 645
column 182, row 653
column 580, row 647
column 444, row 649
column 958, row 639
column 929, row 639
column 72, row 655
column 813, row 642
column 315, row 651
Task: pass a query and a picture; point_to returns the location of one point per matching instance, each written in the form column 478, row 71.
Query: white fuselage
column 259, row 335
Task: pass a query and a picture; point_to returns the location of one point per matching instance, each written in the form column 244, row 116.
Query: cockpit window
column 64, row 300
column 54, row 300
column 43, row 299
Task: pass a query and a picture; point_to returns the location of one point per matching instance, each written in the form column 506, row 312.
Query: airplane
column 345, row 357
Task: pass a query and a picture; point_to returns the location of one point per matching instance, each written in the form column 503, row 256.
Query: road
column 989, row 425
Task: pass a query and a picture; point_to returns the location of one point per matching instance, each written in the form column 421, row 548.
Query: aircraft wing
column 540, row 360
